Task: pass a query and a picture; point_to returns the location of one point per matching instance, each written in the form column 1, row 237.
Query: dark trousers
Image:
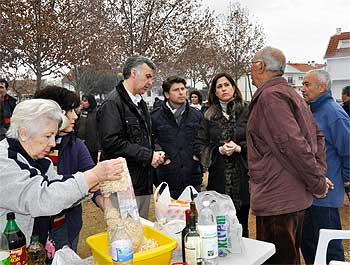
column 242, row 215
column 60, row 236
column 285, row 232
column 317, row 217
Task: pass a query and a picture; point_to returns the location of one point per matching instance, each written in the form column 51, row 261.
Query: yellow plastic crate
column 160, row 255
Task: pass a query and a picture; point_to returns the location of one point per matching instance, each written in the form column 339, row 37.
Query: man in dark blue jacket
column 335, row 125
column 175, row 125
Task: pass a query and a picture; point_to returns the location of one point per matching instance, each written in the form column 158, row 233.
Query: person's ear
column 322, row 87
column 22, row 134
column 260, row 67
column 133, row 72
column 166, row 94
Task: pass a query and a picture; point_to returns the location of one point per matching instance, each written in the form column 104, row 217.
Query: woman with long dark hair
column 221, row 144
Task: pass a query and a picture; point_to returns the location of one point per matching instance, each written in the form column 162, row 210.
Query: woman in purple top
column 70, row 155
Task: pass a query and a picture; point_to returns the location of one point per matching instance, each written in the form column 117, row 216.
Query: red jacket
column 286, row 151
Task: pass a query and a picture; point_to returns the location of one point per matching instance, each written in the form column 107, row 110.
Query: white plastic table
column 255, row 252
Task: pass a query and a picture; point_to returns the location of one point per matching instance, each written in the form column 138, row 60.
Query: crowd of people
column 284, row 157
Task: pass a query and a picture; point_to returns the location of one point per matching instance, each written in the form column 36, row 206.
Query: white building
column 338, row 61
column 151, row 94
column 295, row 72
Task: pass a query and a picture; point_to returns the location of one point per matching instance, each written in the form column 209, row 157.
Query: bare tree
column 241, row 38
column 89, row 80
column 45, row 35
column 154, row 28
column 201, row 62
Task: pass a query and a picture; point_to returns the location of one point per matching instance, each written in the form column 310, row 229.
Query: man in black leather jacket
column 125, row 128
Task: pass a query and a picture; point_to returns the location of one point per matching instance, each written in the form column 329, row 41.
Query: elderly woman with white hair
column 29, row 185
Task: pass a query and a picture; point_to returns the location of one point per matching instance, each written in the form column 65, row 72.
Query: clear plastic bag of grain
column 121, row 194
column 121, row 207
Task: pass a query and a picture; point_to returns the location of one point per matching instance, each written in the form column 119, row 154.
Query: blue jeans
column 60, row 236
column 317, row 217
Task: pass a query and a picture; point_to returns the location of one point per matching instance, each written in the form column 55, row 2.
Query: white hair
column 30, row 113
column 272, row 62
column 323, row 77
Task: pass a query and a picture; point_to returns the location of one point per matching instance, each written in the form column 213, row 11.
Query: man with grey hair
column 125, row 128
column 335, row 125
column 286, row 157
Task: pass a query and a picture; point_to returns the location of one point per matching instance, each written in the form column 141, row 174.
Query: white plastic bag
column 67, row 256
column 229, row 229
column 173, row 229
column 168, row 208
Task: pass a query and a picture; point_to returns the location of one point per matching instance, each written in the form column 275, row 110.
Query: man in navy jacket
column 175, row 125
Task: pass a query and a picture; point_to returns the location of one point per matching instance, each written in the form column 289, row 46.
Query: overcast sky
column 300, row 28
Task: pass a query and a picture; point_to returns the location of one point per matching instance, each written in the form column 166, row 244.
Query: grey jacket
column 33, row 188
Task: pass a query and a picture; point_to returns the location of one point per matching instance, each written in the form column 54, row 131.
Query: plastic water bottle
column 207, row 229
column 4, row 250
column 121, row 247
column 236, row 232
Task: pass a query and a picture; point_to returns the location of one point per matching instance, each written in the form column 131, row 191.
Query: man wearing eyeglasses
column 286, row 157
column 8, row 101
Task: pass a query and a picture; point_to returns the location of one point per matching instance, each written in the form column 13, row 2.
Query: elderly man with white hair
column 286, row 157
column 29, row 185
column 335, row 125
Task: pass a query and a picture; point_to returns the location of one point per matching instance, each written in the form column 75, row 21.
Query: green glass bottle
column 36, row 252
column 16, row 240
column 193, row 244
column 4, row 250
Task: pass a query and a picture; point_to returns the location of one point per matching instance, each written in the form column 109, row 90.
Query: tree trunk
column 38, row 82
column 250, row 87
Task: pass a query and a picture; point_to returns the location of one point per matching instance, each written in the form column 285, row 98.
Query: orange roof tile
column 304, row 67
column 332, row 50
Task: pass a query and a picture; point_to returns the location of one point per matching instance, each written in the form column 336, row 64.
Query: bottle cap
column 10, row 216
column 206, row 203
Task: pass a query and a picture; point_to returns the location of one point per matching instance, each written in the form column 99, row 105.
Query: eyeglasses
column 258, row 61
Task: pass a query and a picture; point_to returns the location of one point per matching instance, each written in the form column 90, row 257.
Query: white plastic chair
column 327, row 235
column 335, row 262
